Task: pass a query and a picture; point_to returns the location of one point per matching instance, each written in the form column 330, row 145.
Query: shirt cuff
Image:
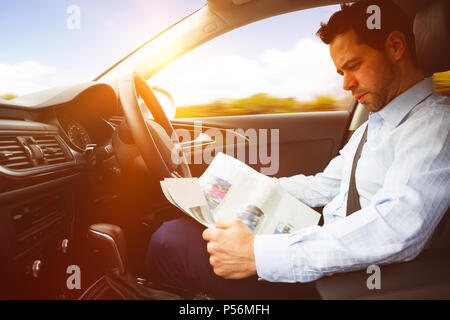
column 272, row 258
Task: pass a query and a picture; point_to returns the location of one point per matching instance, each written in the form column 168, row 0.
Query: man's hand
column 230, row 246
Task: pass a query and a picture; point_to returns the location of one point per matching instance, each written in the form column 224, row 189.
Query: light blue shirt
column 403, row 179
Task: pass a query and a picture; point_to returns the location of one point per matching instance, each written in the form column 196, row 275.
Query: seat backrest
column 441, row 236
column 432, row 34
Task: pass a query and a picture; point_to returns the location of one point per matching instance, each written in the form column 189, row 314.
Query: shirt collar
column 396, row 110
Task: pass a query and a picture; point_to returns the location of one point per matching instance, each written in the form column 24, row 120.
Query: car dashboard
column 54, row 146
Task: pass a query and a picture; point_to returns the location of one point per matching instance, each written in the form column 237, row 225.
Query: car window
column 442, row 82
column 277, row 65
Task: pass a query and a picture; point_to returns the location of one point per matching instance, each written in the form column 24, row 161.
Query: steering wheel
column 156, row 139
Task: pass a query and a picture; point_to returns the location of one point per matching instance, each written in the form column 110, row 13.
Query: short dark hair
column 354, row 17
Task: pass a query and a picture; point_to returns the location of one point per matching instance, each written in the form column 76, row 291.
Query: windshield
column 49, row 43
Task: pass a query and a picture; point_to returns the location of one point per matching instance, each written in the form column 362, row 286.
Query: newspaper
column 231, row 189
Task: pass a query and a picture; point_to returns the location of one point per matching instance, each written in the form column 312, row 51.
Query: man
column 402, row 178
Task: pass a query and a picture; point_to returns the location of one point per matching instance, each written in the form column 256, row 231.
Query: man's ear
column 396, row 45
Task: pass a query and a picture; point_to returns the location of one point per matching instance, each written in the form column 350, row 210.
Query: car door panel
column 307, row 141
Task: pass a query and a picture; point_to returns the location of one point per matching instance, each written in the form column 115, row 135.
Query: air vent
column 13, row 154
column 53, row 152
column 115, row 121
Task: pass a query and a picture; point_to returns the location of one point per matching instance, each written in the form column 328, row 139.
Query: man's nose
column 350, row 82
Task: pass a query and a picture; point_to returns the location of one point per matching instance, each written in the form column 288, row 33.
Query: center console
column 35, row 238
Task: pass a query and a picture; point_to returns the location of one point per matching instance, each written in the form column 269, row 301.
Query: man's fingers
column 210, row 247
column 225, row 223
column 206, row 235
column 211, row 234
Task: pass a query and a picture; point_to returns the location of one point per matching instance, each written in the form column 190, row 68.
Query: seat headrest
column 432, row 34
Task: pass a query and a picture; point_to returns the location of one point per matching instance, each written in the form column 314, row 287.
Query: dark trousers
column 177, row 256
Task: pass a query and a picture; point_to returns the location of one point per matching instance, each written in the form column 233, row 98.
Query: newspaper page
column 231, row 189
column 187, row 195
column 289, row 214
column 254, row 198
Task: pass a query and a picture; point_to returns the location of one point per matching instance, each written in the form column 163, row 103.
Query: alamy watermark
column 73, row 21
column 262, row 146
column 374, row 20
column 374, row 281
column 74, row 279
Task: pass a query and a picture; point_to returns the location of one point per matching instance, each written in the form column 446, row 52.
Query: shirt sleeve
column 395, row 225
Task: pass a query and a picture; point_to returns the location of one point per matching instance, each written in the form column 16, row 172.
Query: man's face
column 368, row 73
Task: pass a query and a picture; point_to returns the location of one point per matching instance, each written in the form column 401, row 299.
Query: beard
column 383, row 89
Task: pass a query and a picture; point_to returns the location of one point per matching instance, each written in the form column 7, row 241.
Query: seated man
column 402, row 180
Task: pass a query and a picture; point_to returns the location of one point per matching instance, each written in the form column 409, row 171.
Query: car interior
column 80, row 167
